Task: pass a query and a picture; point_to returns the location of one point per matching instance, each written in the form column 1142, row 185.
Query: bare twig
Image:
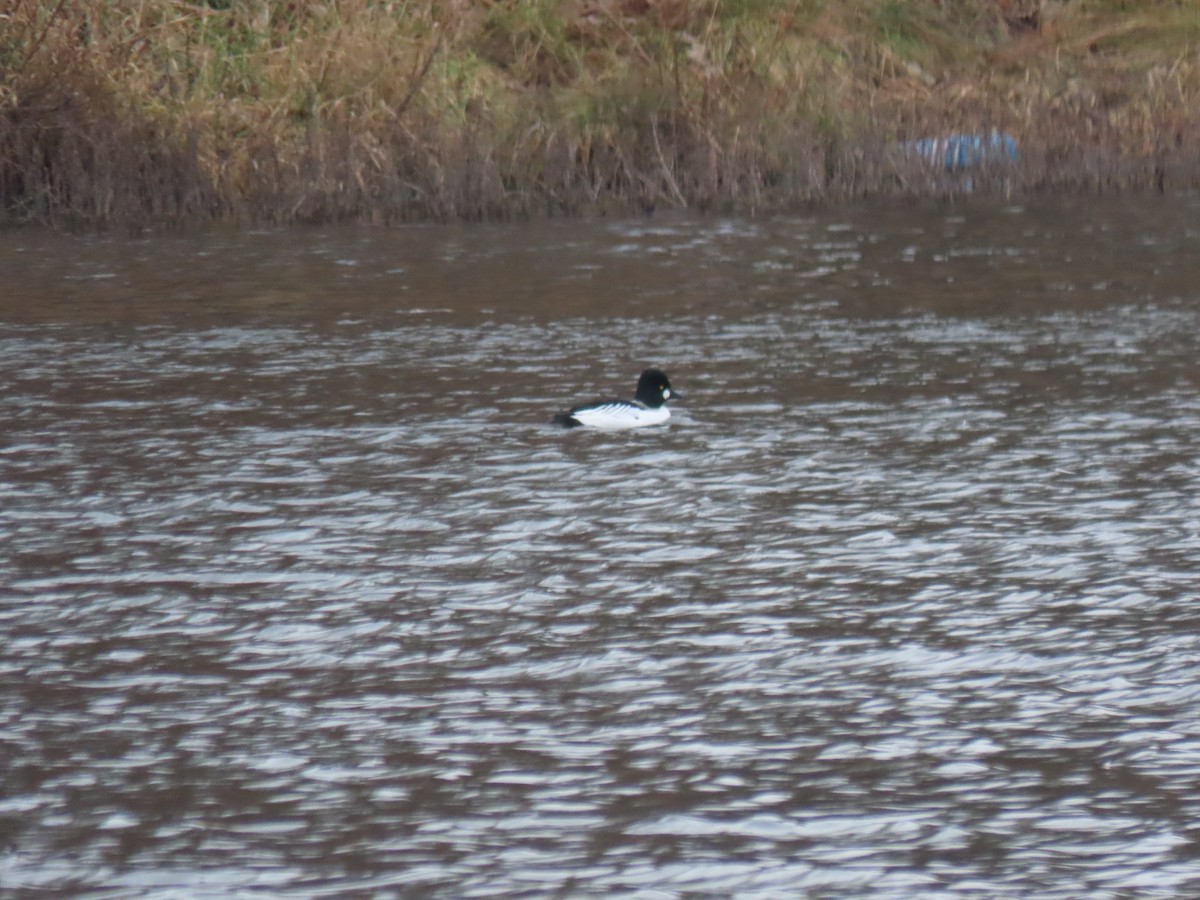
column 419, row 77
column 663, row 163
column 41, row 38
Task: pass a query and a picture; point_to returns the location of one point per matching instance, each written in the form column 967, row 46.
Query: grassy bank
column 131, row 113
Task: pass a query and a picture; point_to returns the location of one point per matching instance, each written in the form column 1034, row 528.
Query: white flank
column 620, row 415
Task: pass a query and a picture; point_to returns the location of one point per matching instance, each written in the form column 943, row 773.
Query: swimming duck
column 648, row 407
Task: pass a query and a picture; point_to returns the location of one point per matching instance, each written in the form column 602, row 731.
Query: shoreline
column 118, row 117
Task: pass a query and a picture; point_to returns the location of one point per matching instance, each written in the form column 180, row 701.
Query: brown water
column 301, row 595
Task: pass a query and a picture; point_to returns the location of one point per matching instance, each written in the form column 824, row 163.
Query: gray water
column 302, row 595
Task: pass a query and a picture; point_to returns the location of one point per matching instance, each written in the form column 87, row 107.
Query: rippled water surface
column 300, row 592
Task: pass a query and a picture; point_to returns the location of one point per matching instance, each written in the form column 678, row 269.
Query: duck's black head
column 654, row 389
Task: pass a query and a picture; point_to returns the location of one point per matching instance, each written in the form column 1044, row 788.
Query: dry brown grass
column 133, row 114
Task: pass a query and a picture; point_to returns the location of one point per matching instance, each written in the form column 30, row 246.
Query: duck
column 648, row 407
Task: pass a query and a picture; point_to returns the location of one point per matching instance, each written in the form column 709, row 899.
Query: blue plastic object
column 967, row 151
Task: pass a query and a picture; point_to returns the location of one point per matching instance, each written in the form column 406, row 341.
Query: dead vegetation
column 132, row 114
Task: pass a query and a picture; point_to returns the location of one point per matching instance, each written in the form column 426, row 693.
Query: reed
column 126, row 114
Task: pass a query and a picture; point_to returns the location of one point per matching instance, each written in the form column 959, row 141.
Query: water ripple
column 900, row 602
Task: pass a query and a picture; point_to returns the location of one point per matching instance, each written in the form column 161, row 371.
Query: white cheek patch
column 666, row 393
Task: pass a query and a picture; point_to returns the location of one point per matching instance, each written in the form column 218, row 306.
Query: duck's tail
column 566, row 420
